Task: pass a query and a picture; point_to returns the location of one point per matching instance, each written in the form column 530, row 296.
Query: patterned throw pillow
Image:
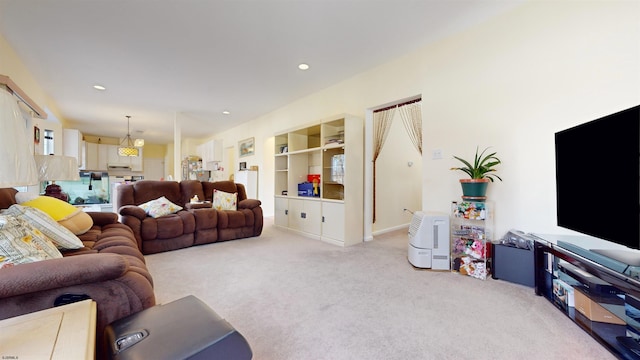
column 60, row 235
column 224, row 200
column 160, row 207
column 20, row 243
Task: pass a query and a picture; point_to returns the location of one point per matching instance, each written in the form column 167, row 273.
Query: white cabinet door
column 296, row 208
column 137, row 162
column 111, row 153
column 73, row 146
column 281, row 216
column 91, row 154
column 210, row 152
column 333, row 220
column 304, row 215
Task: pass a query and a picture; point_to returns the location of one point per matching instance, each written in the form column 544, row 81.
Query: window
column 48, row 142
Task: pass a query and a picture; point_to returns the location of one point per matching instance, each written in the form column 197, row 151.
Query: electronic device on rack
column 429, row 240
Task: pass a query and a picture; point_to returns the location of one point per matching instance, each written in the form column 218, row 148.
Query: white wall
column 510, row 83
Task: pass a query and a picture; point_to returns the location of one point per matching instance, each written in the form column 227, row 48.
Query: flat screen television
column 598, row 178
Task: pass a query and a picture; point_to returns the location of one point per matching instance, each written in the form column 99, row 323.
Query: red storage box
column 312, row 177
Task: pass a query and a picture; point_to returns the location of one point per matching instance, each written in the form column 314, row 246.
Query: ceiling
column 191, row 60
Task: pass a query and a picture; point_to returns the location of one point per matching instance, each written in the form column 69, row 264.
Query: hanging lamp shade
column 17, row 165
column 127, row 146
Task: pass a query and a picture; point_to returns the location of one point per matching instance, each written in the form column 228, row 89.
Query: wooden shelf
column 17, row 91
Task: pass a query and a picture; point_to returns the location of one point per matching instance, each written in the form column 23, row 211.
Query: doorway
column 398, row 176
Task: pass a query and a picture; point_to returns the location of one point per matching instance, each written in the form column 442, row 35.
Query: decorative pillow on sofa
column 22, row 196
column 20, row 243
column 67, row 215
column 62, row 237
column 224, row 200
column 160, row 207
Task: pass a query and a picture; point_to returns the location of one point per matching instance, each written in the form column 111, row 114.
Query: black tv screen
column 598, row 178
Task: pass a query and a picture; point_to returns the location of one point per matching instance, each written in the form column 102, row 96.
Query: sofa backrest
column 191, row 188
column 7, row 197
column 226, row 186
column 142, row 191
column 179, row 193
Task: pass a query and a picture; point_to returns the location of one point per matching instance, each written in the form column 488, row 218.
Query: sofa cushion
column 166, row 227
column 20, row 243
column 226, row 186
column 160, row 207
column 224, row 200
column 60, row 235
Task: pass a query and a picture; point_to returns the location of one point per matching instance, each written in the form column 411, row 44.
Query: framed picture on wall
column 36, row 135
column 247, row 147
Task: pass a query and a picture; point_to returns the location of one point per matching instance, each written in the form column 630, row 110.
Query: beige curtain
column 381, row 125
column 412, row 119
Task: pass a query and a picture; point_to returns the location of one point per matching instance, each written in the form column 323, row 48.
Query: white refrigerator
column 248, row 178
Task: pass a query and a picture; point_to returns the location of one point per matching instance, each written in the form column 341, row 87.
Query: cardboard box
column 592, row 310
column 306, row 189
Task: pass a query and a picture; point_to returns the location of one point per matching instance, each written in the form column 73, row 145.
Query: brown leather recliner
column 194, row 225
column 109, row 269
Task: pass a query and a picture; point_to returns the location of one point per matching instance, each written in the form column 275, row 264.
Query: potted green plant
column 480, row 172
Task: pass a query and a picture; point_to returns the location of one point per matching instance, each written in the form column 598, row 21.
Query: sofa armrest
column 249, row 204
column 103, row 218
column 58, row 273
column 191, row 206
column 133, row 210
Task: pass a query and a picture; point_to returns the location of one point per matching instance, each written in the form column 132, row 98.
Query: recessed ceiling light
column 99, row 87
column 226, row 112
column 303, row 66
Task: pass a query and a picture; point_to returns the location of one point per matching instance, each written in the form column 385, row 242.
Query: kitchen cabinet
column 105, row 156
column 211, row 153
column 91, row 157
column 73, row 145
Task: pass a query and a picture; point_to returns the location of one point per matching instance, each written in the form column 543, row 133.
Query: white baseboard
column 388, row 230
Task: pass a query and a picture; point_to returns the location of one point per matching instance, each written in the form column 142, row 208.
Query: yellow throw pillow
column 56, row 208
column 67, row 215
column 79, row 223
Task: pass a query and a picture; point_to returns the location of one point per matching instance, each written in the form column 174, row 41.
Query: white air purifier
column 429, row 241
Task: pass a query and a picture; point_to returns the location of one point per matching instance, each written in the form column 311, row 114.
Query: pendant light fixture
column 127, row 147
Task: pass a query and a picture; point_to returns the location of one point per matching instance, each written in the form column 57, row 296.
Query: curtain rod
column 22, row 96
column 398, row 105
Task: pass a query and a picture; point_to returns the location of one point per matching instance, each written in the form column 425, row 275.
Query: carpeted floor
column 299, row 298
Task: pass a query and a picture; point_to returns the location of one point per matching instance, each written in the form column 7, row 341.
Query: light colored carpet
column 299, row 298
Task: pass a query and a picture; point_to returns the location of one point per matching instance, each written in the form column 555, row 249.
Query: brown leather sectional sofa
column 194, row 225
column 109, row 269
